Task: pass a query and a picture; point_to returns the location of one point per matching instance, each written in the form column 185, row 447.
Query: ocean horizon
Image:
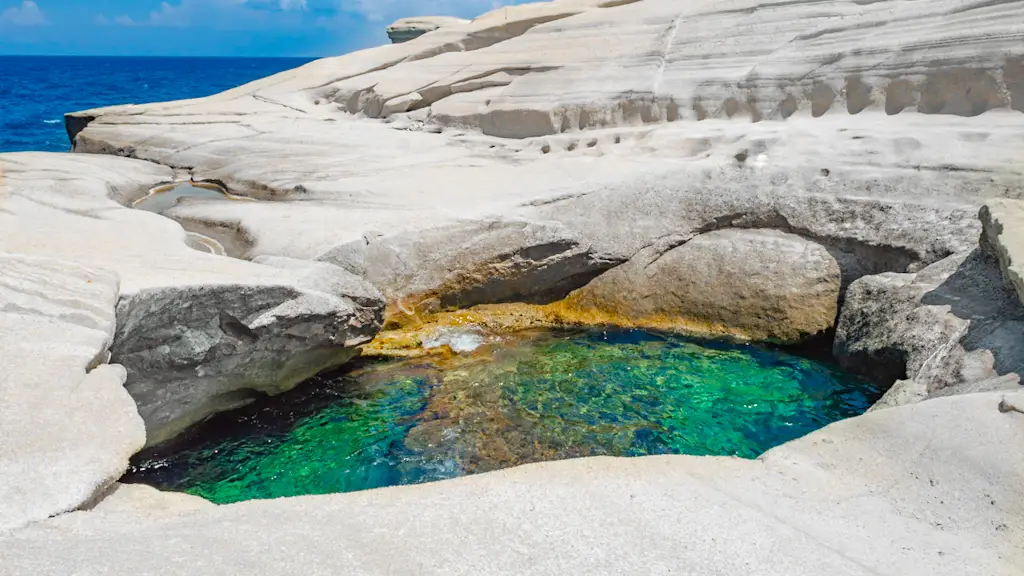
column 36, row 91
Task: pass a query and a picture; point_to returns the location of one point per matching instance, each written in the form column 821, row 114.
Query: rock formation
column 1003, row 238
column 197, row 333
column 67, row 424
column 748, row 166
column 405, row 29
column 758, row 284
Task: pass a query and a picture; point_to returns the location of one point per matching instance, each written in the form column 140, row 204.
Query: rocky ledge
column 756, row 170
column 405, row 29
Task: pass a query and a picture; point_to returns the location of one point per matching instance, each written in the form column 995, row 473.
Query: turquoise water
column 546, row 397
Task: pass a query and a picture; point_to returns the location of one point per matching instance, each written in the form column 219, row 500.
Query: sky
column 211, row 27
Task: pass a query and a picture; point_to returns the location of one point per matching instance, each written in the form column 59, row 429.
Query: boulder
column 953, row 326
column 405, row 29
column 911, row 490
column 197, row 333
column 755, row 284
column 194, row 351
column 470, row 263
column 67, row 425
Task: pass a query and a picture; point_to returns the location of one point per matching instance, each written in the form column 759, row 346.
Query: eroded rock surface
column 954, row 326
column 756, row 284
column 198, row 333
column 469, row 263
column 191, row 352
column 405, row 29
column 911, row 490
column 652, row 138
column 67, row 425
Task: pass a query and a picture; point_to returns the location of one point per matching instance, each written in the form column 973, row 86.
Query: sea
column 36, row 91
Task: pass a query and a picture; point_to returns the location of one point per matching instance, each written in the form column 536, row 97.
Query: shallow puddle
column 166, row 197
column 543, row 397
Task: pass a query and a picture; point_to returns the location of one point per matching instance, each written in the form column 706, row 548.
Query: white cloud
column 187, row 12
column 27, row 14
column 167, row 15
column 380, row 10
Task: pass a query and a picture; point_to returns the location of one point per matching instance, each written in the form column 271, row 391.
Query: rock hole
column 899, row 94
column 822, row 96
column 788, row 106
column 731, row 106
column 858, row 94
column 959, row 91
column 700, row 110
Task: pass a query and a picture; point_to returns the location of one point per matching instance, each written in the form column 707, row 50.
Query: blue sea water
column 36, row 91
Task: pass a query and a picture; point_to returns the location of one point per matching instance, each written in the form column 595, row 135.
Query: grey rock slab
column 924, row 489
column 472, row 262
column 67, row 425
column 758, row 284
column 197, row 332
column 949, row 326
column 191, row 352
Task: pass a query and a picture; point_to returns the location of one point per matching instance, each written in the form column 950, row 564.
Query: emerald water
column 543, row 397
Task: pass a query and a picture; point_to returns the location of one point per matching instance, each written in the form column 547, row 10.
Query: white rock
column 405, row 29
column 198, row 333
column 67, row 425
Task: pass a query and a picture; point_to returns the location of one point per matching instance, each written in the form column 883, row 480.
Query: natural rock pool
column 166, row 197
column 524, row 399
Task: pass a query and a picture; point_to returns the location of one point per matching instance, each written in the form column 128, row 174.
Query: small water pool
column 542, row 397
column 167, row 197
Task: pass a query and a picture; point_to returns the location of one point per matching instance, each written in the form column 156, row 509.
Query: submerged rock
column 894, row 492
column 756, row 284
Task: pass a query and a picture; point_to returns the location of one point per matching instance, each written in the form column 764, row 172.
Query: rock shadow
column 976, row 292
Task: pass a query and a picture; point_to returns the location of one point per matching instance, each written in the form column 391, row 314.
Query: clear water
column 547, row 397
column 36, row 91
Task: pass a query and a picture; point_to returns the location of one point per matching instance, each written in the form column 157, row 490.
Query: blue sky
column 211, row 27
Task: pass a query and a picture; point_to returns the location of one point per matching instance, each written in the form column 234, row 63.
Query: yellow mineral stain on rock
column 405, row 330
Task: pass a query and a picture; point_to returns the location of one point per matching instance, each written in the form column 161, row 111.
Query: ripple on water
column 546, row 397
